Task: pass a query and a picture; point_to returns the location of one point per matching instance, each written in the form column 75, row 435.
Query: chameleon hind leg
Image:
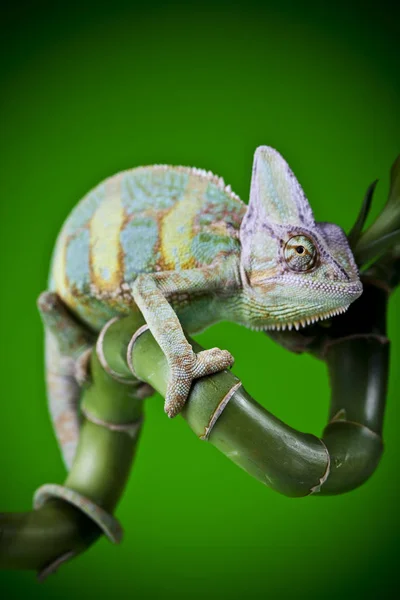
column 68, row 344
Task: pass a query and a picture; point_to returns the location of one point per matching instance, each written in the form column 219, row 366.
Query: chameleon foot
column 82, row 368
column 184, row 371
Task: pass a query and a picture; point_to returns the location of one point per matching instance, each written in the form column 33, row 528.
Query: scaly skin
column 181, row 247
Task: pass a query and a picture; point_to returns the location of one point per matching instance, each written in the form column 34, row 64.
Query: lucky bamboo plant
column 128, row 364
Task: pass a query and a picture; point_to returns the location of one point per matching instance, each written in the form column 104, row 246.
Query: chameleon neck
column 207, row 310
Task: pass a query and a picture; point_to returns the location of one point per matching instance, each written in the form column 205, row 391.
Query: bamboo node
column 102, row 359
column 317, row 488
column 218, row 411
column 52, row 567
column 354, row 336
column 107, row 523
column 356, row 424
column 131, row 344
column 130, row 428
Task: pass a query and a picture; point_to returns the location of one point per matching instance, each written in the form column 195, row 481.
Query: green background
column 86, row 93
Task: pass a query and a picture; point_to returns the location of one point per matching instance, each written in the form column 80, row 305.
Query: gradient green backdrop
column 88, row 93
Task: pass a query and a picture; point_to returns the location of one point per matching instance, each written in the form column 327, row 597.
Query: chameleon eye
column 300, row 253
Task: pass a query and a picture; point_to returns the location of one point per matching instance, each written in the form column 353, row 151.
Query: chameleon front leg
column 153, row 294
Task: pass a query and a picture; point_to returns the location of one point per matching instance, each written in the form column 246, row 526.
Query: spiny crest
column 202, row 173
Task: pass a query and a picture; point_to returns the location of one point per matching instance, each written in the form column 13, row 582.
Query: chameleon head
column 294, row 271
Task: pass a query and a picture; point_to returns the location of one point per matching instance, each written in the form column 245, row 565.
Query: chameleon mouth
column 307, row 321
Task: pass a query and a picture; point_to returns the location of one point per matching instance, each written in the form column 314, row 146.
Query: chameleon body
column 181, row 247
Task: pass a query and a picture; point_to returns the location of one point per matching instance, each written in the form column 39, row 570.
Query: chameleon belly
column 145, row 220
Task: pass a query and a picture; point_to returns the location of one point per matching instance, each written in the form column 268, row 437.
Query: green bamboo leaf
column 382, row 234
column 372, row 249
column 394, row 194
column 356, row 230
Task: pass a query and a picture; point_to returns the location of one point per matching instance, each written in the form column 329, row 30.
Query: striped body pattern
column 178, row 245
column 145, row 220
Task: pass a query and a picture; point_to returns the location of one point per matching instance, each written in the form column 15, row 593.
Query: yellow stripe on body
column 59, row 273
column 177, row 226
column 105, row 229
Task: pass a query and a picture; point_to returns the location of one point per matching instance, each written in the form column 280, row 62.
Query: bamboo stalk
column 219, row 410
column 289, row 461
column 41, row 538
column 294, row 463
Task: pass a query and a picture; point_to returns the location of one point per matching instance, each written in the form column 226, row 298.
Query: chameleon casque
column 181, row 247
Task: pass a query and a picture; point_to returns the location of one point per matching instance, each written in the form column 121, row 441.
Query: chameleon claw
column 177, row 394
column 204, row 363
column 212, row 361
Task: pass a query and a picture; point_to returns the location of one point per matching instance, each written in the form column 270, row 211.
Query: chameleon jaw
column 301, row 323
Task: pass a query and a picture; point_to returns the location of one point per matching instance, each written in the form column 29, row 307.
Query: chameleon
column 178, row 245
